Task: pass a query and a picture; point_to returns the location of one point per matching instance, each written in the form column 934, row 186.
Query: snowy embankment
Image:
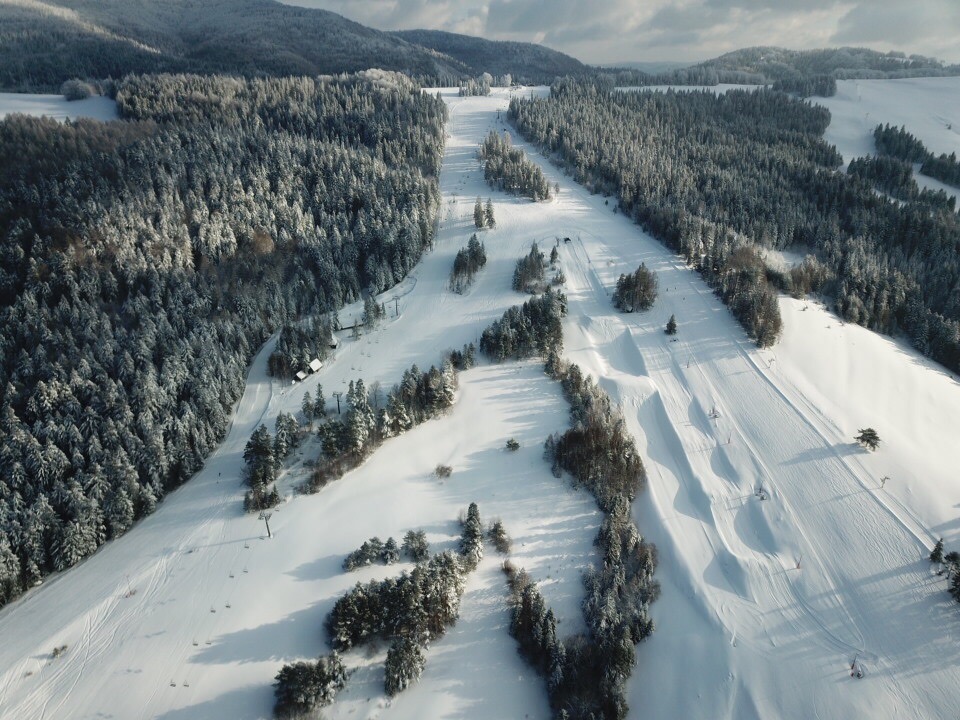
column 57, row 106
column 765, row 602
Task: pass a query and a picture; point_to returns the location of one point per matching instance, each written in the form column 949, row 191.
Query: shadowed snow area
column 765, row 602
column 57, row 106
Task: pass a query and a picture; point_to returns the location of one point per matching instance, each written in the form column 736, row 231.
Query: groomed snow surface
column 765, row 602
column 57, row 106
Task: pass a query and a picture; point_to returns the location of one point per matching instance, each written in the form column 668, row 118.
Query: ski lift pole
column 265, row 516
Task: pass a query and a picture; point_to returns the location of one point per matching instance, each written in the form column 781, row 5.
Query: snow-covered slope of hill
column 765, row 604
column 928, row 107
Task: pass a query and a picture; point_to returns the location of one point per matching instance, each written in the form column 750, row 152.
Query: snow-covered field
column 764, row 605
column 57, row 106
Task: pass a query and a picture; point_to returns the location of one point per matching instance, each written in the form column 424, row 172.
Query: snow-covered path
column 742, row 632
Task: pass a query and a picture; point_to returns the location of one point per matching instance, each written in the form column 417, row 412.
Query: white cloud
column 602, row 31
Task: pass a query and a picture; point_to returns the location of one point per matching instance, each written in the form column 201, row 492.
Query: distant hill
column 842, row 63
column 43, row 44
column 760, row 65
column 526, row 62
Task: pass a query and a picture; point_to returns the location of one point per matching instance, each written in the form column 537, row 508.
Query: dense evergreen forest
column 145, row 261
column 719, row 177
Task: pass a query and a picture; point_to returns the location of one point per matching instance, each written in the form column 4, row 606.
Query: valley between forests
column 764, row 603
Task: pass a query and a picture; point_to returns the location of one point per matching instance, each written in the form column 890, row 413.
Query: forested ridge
column 806, row 72
column 719, row 177
column 145, row 261
column 44, row 44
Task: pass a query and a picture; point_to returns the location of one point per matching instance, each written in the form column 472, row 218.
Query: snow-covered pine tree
column 471, row 538
column 404, row 666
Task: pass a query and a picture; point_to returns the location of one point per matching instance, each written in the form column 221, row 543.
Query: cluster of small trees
column 415, row 607
column 264, row 455
column 463, row 359
column 302, row 687
column 529, row 275
column 952, row 562
column 473, row 87
column 261, row 470
column 314, row 406
column 415, row 547
column 369, row 420
column 77, row 89
column 373, row 312
column 497, row 534
column 637, row 291
column 527, row 330
column 483, row 214
column 507, row 168
column 898, row 143
column 468, row 262
column 297, row 345
column 373, row 550
column 410, row 611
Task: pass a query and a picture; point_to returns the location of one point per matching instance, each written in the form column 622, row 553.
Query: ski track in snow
column 742, row 631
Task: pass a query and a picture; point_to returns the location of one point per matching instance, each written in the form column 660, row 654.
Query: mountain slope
column 44, row 43
column 526, row 62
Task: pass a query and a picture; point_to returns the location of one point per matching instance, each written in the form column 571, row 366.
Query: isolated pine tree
column 869, row 438
column 404, row 666
column 307, row 407
column 936, row 555
column 955, row 587
column 415, row 545
column 471, row 540
column 671, row 328
column 488, row 214
column 319, row 403
column 479, row 217
column 390, row 553
column 952, row 561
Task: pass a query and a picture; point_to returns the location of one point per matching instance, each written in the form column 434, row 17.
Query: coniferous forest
column 145, row 261
column 717, row 178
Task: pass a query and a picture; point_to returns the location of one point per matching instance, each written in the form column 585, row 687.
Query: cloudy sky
column 607, row 31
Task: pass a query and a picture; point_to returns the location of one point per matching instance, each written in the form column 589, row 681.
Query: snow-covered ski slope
column 57, row 106
column 929, row 108
column 742, row 631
